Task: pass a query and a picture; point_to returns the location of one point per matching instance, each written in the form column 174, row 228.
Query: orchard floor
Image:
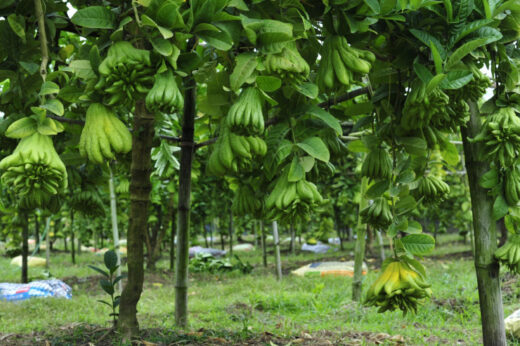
column 256, row 309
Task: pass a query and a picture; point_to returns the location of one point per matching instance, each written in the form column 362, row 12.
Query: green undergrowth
column 245, row 306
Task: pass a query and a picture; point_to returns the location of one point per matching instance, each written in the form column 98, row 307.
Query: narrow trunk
column 381, row 246
column 72, row 246
column 222, row 240
column 140, row 188
column 230, row 233
column 293, row 239
column 255, row 235
column 25, row 248
column 115, row 231
column 359, row 252
column 487, row 268
column 264, row 247
column 338, row 227
column 37, row 233
column 172, row 238
column 47, row 243
column 205, row 232
column 277, row 251
column 181, row 270
column 213, row 228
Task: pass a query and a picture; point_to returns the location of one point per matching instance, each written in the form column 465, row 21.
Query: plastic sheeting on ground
column 32, row 261
column 199, row 249
column 43, row 288
column 328, row 269
column 318, row 248
column 335, row 241
column 512, row 323
column 243, row 247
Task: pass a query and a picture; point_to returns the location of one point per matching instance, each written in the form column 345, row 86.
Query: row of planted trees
column 273, row 89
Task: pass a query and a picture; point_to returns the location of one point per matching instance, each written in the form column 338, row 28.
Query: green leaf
column 468, row 29
column 30, row 67
column 82, row 69
column 405, row 204
column 450, row 153
column 70, row 93
column 357, row 146
column 413, row 145
column 422, row 72
column 220, row 40
column 166, row 33
column 22, row 128
column 268, row 83
column 321, row 114
column 434, row 82
column 245, row 66
column 17, row 24
column 406, row 177
column 470, row 46
column 296, row 171
column 456, row 79
column 490, row 179
column 307, row 162
column 426, row 38
column 95, row 17
column 437, row 60
column 315, row 147
column 99, row 270
column 418, row 244
column 414, row 227
column 500, row 208
column 55, row 106
column 377, row 189
column 48, row 127
column 309, row 90
column 49, row 88
column 107, row 286
column 168, row 15
column 162, row 46
column 110, row 259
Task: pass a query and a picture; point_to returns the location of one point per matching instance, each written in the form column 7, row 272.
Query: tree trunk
column 115, row 231
column 36, row 233
column 264, row 247
column 140, row 188
column 277, row 251
column 359, row 252
column 181, row 270
column 338, row 227
column 47, row 243
column 230, row 233
column 205, row 232
column 381, row 246
column 25, row 248
column 487, row 268
column 172, row 238
column 154, row 240
column 293, row 239
column 255, row 236
column 72, row 246
column 503, row 232
column 222, row 240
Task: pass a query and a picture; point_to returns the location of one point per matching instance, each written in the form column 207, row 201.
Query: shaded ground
column 87, row 334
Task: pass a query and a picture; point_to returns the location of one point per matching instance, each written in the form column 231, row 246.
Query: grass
column 242, row 306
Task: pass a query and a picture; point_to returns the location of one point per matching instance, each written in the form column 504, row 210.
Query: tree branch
column 348, row 96
column 43, row 40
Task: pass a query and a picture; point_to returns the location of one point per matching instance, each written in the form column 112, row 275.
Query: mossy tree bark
column 184, row 205
column 359, row 252
column 486, row 266
column 140, row 188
